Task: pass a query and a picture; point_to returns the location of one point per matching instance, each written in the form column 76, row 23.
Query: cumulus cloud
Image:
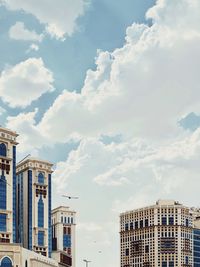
column 25, row 82
column 20, row 32
column 59, row 17
column 141, row 89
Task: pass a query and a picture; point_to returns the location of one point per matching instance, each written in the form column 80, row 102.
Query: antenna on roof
column 24, row 158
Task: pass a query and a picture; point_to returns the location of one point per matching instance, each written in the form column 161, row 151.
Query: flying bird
column 70, row 197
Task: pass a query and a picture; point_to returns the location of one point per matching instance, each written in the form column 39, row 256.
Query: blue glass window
column 14, row 196
column 3, row 218
column 41, row 178
column 126, row 227
column 171, row 264
column 3, row 186
column 3, row 150
column 40, row 212
column 171, row 220
column 66, row 241
column 49, row 213
column 164, row 264
column 6, row 262
column 164, row 220
column 186, row 260
column 30, row 209
column 40, row 238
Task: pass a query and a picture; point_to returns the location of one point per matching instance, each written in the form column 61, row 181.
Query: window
column 40, row 212
column 6, row 262
column 187, row 223
column 126, row 227
column 40, row 238
column 186, row 260
column 147, row 249
column 72, row 220
column 164, row 220
column 136, row 225
column 26, row 263
column 3, row 218
column 61, row 219
column 66, row 241
column 146, row 223
column 141, row 224
column 41, row 178
column 131, row 226
column 171, row 220
column 3, row 150
column 164, row 264
column 3, row 188
column 127, row 252
column 171, row 264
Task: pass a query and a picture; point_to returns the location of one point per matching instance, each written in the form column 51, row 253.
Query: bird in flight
column 70, row 197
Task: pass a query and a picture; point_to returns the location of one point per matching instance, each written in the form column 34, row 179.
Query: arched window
column 41, row 178
column 26, row 263
column 6, row 262
column 3, row 150
column 3, row 189
column 40, row 212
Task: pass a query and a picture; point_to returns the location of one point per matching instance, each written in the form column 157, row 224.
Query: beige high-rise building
column 34, row 205
column 63, row 236
column 157, row 236
column 7, row 185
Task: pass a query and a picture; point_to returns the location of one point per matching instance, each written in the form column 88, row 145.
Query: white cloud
column 32, row 47
column 2, row 111
column 141, row 89
column 59, row 17
column 20, row 32
column 25, row 82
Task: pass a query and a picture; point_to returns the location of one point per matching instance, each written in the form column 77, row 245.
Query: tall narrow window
column 40, row 212
column 40, row 238
column 3, row 150
column 41, row 178
column 3, row 218
column 3, row 188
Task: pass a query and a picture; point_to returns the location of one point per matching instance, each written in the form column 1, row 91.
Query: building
column 196, row 237
column 33, row 199
column 7, row 185
column 161, row 235
column 63, row 236
column 25, row 213
column 13, row 255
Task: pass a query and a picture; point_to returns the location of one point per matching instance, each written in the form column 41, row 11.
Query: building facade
column 158, row 236
column 13, row 255
column 7, row 185
column 63, row 236
column 33, row 199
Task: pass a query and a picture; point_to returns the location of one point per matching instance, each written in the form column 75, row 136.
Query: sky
column 109, row 92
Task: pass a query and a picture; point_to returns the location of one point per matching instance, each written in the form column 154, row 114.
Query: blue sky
column 109, row 92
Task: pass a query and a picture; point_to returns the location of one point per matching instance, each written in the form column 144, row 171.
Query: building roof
column 62, row 209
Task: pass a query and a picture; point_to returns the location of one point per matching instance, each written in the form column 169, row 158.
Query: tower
column 7, row 185
column 160, row 235
column 34, row 205
column 63, row 235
